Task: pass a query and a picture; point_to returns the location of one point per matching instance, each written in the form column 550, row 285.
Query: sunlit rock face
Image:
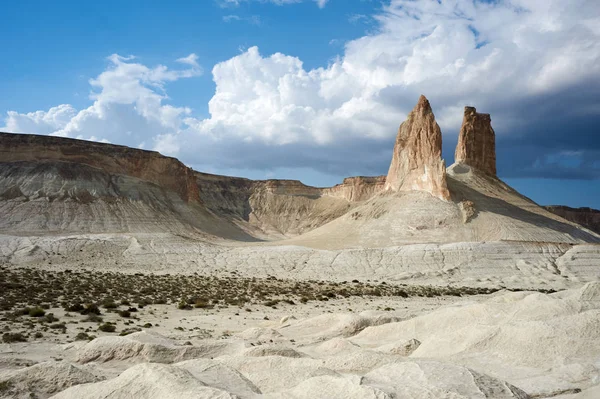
column 477, row 142
column 416, row 161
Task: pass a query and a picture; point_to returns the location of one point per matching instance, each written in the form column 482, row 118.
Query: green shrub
column 5, row 386
column 75, row 307
column 94, row 318
column 36, row 312
column 109, row 303
column 13, row 337
column 91, row 308
column 82, row 337
column 58, row 326
column 49, row 318
column 107, row 327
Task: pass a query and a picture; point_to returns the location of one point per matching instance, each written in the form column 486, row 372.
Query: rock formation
column 477, row 142
column 587, row 217
column 359, row 188
column 416, row 161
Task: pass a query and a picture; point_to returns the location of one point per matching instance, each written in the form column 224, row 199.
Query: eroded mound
column 508, row 345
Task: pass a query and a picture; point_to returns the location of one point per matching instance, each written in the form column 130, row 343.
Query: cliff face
column 282, row 208
column 358, row 188
column 416, row 162
column 587, row 217
column 477, row 142
column 72, row 185
column 149, row 166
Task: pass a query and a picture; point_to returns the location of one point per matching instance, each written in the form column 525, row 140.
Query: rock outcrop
column 416, row 161
column 359, row 188
column 587, row 217
column 477, row 142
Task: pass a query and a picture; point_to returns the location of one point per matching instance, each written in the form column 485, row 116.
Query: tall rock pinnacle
column 477, row 142
column 417, row 160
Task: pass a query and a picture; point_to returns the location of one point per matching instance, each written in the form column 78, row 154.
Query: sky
column 312, row 89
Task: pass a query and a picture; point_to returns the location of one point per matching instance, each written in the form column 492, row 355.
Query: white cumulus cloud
column 128, row 106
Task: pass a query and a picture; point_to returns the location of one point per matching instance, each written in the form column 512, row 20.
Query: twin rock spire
column 417, row 162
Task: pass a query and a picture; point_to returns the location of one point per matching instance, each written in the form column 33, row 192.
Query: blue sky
column 59, row 46
column 312, row 90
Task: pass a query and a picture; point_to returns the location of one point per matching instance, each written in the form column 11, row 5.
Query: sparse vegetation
column 83, row 337
column 94, row 318
column 80, row 289
column 29, row 294
column 9, row 338
column 5, row 386
column 109, row 303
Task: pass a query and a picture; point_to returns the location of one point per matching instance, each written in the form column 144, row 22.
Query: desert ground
column 201, row 336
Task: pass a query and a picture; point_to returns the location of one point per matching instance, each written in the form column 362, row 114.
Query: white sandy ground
column 526, row 265
column 505, row 345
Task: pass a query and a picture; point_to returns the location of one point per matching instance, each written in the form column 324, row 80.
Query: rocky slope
column 148, row 166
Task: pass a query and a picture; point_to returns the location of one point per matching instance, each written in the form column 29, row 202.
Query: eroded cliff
column 477, row 142
column 417, row 163
column 149, row 166
column 586, row 217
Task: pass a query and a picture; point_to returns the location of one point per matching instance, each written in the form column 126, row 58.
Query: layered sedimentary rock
column 586, row 217
column 477, row 142
column 280, row 208
column 359, row 188
column 416, row 161
column 149, row 166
